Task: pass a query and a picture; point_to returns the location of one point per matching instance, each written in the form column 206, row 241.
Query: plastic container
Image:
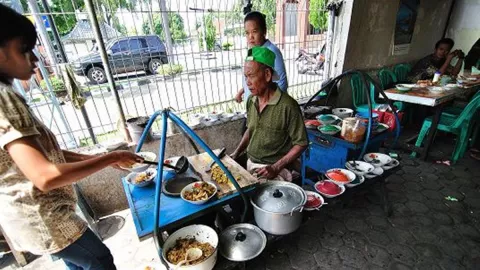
column 136, row 126
column 436, row 77
column 353, row 130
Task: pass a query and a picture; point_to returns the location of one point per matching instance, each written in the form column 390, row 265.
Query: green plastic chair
column 401, row 71
column 360, row 102
column 459, row 125
column 456, row 111
column 388, row 79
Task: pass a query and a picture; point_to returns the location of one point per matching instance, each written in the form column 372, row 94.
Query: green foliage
column 57, row 84
column 109, row 8
column 226, row 46
column 269, row 8
column 119, row 27
column 175, row 24
column 170, row 70
column 65, row 22
column 210, row 30
column 318, row 17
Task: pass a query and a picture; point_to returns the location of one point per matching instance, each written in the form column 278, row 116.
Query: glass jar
column 353, row 129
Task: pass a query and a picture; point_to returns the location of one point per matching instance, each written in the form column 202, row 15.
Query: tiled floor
column 426, row 231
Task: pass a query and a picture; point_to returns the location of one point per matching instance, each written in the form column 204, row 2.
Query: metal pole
column 103, row 53
column 166, row 30
column 63, row 55
column 43, row 35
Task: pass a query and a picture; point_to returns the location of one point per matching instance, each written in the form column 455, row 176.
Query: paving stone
column 451, row 249
column 355, row 240
column 441, row 218
column 471, row 263
column 256, row 264
column 432, row 194
column 428, row 176
column 428, row 250
column 469, row 192
column 468, row 231
column 449, row 264
column 375, row 210
column 473, row 202
column 331, row 241
column 461, row 172
column 398, row 266
column 412, row 186
column 470, row 246
column 423, row 234
column 411, row 169
column 401, row 210
column 465, row 182
column 378, row 222
column 378, row 237
column 438, row 206
column 431, row 184
column 427, row 266
column 421, row 220
column 312, row 227
column 395, row 179
column 308, row 243
column 400, row 222
column 458, row 218
column 335, row 227
column 449, row 175
column 301, row 260
column 402, row 253
column 397, row 197
column 356, row 224
column 400, row 236
column 351, row 257
column 400, row 172
column 416, row 207
column 372, row 267
column 415, row 196
column 395, row 187
column 374, row 198
column 327, row 259
column 377, row 255
column 446, row 232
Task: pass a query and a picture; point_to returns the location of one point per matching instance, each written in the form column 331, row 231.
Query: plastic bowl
column 131, row 177
column 327, row 188
column 190, row 188
column 329, row 129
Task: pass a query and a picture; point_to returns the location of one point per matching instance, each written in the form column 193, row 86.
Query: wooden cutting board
column 200, row 163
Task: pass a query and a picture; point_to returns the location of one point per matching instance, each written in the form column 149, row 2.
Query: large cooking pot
column 201, row 233
column 278, row 207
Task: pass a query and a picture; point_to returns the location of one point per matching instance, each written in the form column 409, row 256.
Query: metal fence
column 198, row 69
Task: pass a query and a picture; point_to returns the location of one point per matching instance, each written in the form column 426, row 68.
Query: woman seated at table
column 440, row 60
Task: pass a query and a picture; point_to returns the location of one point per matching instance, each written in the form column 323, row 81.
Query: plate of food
column 424, row 83
column 340, row 176
column 329, row 188
column 314, row 201
column 198, row 192
column 377, row 159
column 142, row 179
column 359, row 167
column 140, row 167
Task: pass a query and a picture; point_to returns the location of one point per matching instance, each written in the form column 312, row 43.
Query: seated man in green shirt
column 276, row 134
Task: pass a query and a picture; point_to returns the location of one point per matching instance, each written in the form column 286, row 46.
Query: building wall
column 372, row 27
column 464, row 25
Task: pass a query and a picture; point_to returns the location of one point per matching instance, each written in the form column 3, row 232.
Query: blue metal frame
column 159, row 178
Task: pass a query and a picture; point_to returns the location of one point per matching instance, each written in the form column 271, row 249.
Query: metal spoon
column 192, row 254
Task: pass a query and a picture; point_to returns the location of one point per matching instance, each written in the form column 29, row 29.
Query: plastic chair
column 360, row 102
column 401, row 71
column 388, row 79
column 459, row 125
column 455, row 111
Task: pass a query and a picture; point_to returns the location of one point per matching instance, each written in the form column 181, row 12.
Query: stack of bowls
column 364, row 116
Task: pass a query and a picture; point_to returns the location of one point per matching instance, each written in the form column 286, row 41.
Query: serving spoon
column 192, row 254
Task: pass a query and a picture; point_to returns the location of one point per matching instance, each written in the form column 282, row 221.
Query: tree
column 211, row 32
column 318, row 16
column 175, row 24
column 269, row 8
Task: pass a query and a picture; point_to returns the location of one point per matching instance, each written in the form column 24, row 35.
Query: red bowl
column 338, row 176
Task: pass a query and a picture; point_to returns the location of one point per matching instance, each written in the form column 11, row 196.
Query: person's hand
column 460, row 54
column 451, row 55
column 239, row 96
column 268, row 172
column 125, row 159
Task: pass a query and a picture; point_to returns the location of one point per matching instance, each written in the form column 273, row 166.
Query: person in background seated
column 255, row 32
column 439, row 60
column 276, row 134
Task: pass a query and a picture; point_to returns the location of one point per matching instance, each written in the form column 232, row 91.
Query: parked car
column 126, row 54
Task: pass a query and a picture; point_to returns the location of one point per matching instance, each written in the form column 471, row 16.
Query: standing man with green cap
column 276, row 134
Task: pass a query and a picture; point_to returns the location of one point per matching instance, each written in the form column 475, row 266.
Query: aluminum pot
column 201, row 233
column 278, row 207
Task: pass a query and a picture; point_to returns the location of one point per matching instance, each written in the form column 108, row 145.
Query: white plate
column 394, row 163
column 370, row 176
column 351, row 176
column 361, row 178
column 131, row 176
column 343, row 112
column 342, row 189
column 215, row 115
column 435, row 88
column 361, row 168
column 313, row 193
column 377, row 159
column 471, row 79
column 189, row 187
column 377, row 171
column 227, row 117
column 140, row 167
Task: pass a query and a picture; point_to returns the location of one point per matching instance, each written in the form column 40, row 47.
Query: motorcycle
column 310, row 62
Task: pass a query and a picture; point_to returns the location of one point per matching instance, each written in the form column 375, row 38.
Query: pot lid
column 242, row 242
column 280, row 197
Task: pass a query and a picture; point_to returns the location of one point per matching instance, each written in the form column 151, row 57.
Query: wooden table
column 434, row 99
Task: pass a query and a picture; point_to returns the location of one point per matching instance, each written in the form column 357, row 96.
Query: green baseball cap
column 264, row 56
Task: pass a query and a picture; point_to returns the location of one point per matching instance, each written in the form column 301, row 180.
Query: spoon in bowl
column 192, row 254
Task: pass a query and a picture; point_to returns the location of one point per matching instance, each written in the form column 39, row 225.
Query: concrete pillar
column 280, row 24
column 302, row 23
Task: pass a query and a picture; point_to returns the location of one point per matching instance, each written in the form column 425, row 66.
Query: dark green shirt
column 276, row 130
